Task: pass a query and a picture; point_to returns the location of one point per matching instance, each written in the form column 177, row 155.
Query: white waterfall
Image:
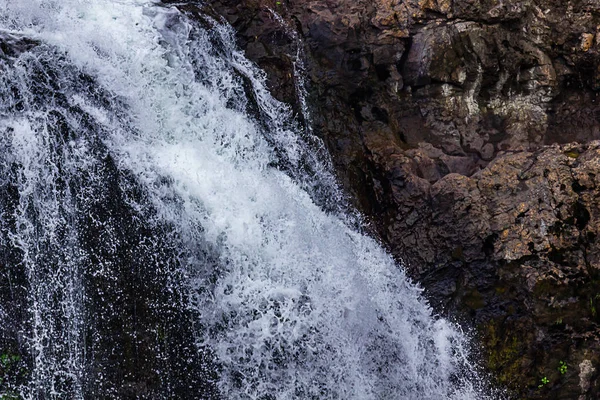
column 295, row 302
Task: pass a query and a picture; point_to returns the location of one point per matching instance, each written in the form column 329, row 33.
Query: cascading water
column 167, row 230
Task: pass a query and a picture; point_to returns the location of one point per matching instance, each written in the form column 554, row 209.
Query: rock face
column 465, row 129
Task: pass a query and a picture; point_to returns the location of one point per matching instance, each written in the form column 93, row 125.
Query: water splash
column 174, row 123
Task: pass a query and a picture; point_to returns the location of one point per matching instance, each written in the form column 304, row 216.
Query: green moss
column 543, row 288
column 502, row 356
column 572, row 154
column 594, row 301
column 500, row 289
column 12, row 371
column 474, row 300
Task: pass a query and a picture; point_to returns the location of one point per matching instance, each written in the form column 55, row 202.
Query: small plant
column 11, row 371
column 562, row 368
column 544, row 382
column 6, row 360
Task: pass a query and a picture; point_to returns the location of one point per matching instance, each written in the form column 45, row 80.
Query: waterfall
column 168, row 230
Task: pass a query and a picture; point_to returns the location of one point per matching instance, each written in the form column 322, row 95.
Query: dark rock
column 11, row 45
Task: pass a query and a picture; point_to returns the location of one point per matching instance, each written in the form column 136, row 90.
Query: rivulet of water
column 168, row 232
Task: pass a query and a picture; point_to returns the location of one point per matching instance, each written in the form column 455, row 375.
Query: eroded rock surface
column 466, row 130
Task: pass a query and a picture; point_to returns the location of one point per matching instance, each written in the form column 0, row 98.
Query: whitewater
column 245, row 231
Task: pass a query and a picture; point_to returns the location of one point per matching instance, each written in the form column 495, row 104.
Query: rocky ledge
column 465, row 130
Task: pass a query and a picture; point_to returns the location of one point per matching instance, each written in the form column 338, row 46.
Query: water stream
column 168, row 230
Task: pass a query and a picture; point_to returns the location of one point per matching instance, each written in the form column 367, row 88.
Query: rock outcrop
column 466, row 131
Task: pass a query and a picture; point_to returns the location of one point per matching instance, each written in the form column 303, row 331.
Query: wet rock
column 586, row 372
column 11, row 45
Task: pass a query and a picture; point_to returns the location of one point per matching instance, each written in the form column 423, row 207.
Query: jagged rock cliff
column 465, row 130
